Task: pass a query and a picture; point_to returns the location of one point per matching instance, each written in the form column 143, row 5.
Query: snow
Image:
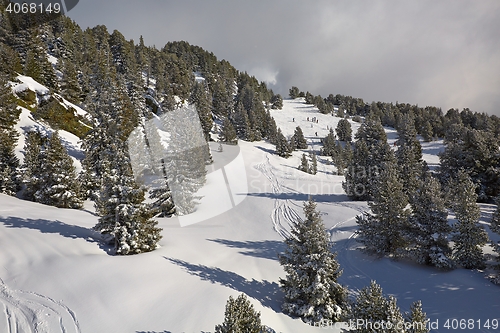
column 198, row 77
column 53, row 60
column 57, row 276
column 70, row 141
column 28, row 83
column 67, row 104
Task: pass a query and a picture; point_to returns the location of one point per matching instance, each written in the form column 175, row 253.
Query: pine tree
column 240, row 317
column 470, row 237
column 123, row 213
column 409, row 155
column 9, row 114
column 70, row 88
column 476, row 152
column 9, row 163
column 202, row 100
column 395, row 321
column 57, row 177
column 359, row 173
column 382, row 232
column 328, row 144
column 38, row 66
column 31, row 67
column 163, row 205
column 277, row 102
column 283, row 148
column 372, row 307
column 304, row 164
column 314, row 163
column 370, row 152
column 293, row 92
column 299, row 139
column 344, row 130
column 242, row 123
column 342, row 157
column 429, row 227
column 310, row 286
column 417, row 319
column 272, row 131
column 228, row 133
column 32, row 166
column 427, row 131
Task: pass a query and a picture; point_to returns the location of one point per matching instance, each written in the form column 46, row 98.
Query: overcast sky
column 443, row 53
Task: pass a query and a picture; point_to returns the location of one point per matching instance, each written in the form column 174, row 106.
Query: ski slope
column 57, row 277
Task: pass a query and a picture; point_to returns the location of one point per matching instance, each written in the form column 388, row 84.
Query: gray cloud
column 441, row 53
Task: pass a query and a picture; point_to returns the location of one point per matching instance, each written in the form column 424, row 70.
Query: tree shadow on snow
column 57, row 227
column 324, row 198
column 261, row 249
column 270, row 151
column 267, row 293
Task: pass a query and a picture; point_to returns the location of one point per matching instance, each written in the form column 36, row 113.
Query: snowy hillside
column 57, row 277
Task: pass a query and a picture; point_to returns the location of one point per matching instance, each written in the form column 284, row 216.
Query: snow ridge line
column 283, row 215
column 29, row 312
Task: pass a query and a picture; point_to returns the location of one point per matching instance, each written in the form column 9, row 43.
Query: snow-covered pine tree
column 429, row 228
column 304, row 164
column 371, row 306
column 201, row 98
column 382, row 232
column 241, row 123
column 299, row 139
column 357, row 184
column 409, row 155
column 9, row 163
column 342, row 157
column 283, row 148
column 395, row 321
column 240, row 317
column 163, row 204
column 58, row 185
column 184, row 151
column 70, row 88
column 37, row 64
column 328, row 144
column 32, row 166
column 476, row 152
column 314, row 163
column 228, row 133
column 114, row 118
column 344, row 130
column 417, row 319
column 370, row 152
column 120, row 205
column 469, row 236
column 257, row 115
column 277, row 102
column 9, row 113
column 310, row 286
column 272, row 131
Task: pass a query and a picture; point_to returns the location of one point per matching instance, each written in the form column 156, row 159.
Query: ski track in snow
column 344, row 252
column 29, row 312
column 283, row 215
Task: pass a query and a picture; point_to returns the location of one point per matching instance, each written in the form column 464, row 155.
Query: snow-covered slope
column 70, row 141
column 57, row 277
